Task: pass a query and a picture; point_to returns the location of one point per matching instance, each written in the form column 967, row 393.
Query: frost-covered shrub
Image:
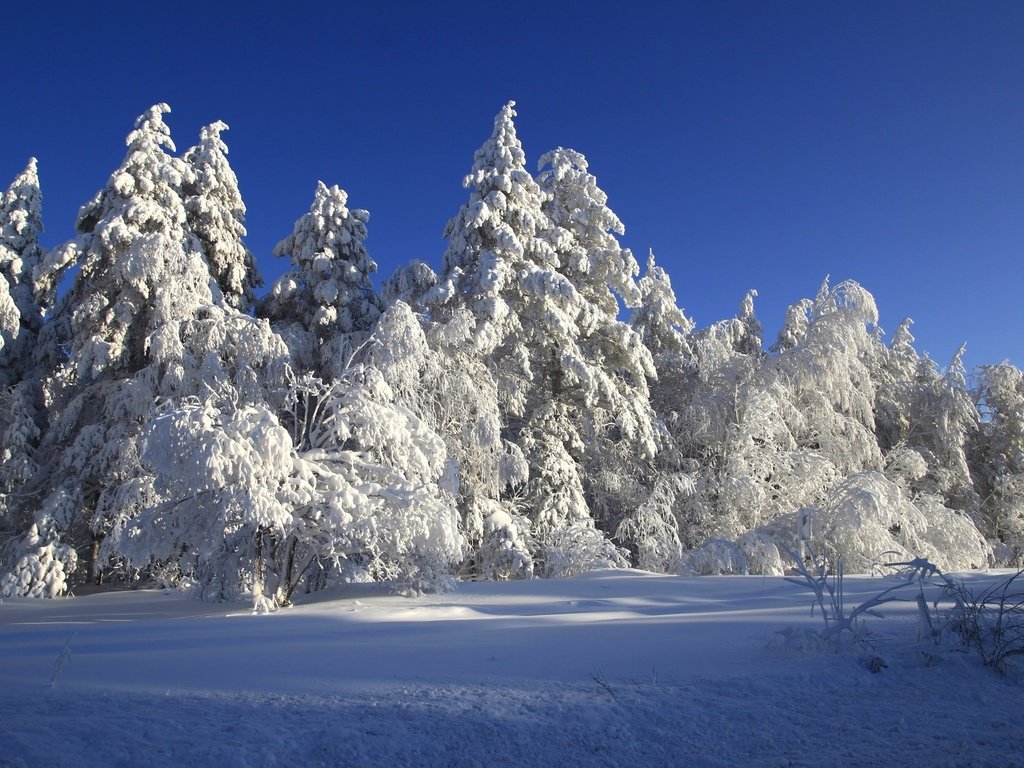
column 763, row 556
column 862, row 521
column 905, row 466
column 1002, row 555
column 717, row 557
column 868, row 520
column 950, row 540
column 43, row 571
column 991, row 621
column 652, row 531
column 504, row 552
column 572, row 551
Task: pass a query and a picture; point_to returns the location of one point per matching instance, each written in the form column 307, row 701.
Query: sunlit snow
column 612, row 668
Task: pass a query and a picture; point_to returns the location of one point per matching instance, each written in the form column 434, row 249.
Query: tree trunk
column 95, row 569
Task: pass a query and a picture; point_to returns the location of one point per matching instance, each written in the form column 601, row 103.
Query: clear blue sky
column 751, row 145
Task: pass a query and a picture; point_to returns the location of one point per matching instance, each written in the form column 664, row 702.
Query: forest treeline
column 534, row 407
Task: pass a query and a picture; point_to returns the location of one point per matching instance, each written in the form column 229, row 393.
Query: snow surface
column 612, row 668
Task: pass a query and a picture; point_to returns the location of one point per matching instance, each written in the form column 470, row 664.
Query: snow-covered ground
column 612, row 668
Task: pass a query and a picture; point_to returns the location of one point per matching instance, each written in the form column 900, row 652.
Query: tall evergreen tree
column 662, row 324
column 599, row 363
column 492, row 242
column 216, row 215
column 21, row 317
column 141, row 271
column 999, row 457
column 326, row 306
column 495, row 264
column 141, row 280
column 21, row 306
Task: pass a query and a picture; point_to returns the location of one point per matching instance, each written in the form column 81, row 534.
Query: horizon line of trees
column 501, row 417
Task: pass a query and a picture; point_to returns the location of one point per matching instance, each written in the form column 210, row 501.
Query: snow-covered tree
column 437, row 373
column 747, row 329
column 831, row 380
column 763, row 436
column 945, row 428
column 655, row 531
column 661, row 322
column 537, row 265
column 216, row 215
column 10, row 318
column 22, row 299
column 326, row 306
column 597, row 366
column 925, row 421
column 491, row 242
column 142, row 278
column 584, row 236
column 345, row 483
column 652, row 531
column 719, row 412
column 868, row 520
column 794, row 327
column 21, row 317
column 410, row 284
column 999, row 456
column 897, row 370
column 500, row 273
column 141, row 271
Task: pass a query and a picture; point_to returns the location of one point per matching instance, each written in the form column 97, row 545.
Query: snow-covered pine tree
column 491, row 242
column 597, row 366
column 503, row 266
column 998, row 458
column 21, row 317
column 501, row 275
column 411, row 284
column 142, row 277
column 141, row 271
column 10, row 318
column 216, row 215
column 662, row 324
column 21, row 306
column 326, row 306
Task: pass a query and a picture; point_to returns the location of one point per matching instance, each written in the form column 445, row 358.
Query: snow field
column 613, row 668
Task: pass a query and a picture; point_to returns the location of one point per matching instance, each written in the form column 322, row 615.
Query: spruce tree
column 112, row 337
column 216, row 215
column 141, row 270
column 21, row 317
column 599, row 362
column 21, row 256
column 326, row 306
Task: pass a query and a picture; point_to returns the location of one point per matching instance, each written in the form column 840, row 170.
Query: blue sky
column 751, row 145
